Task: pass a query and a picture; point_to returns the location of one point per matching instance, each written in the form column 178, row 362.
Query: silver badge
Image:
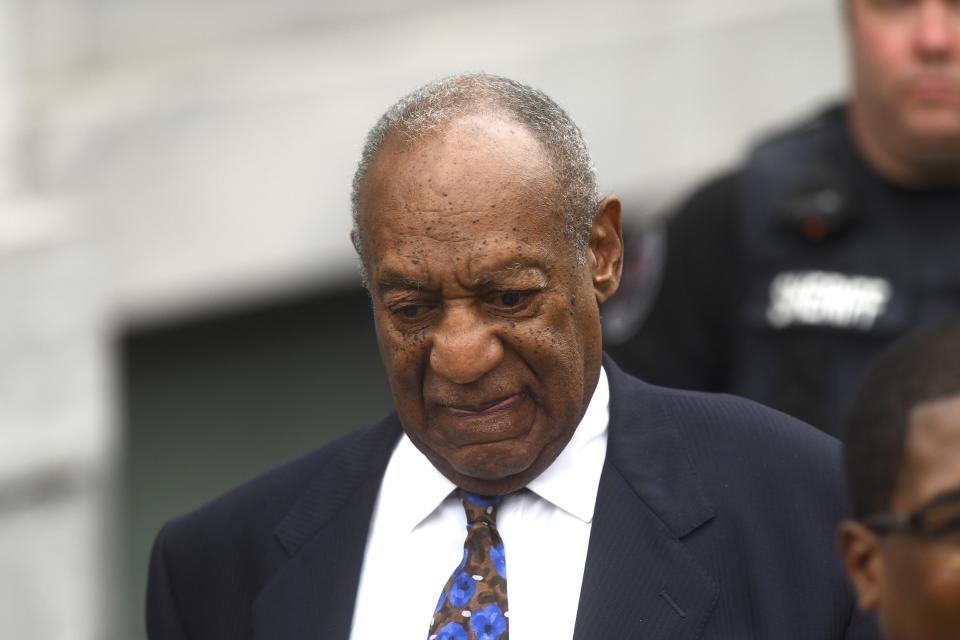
column 824, row 298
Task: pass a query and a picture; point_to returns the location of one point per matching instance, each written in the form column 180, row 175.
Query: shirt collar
column 570, row 483
column 413, row 481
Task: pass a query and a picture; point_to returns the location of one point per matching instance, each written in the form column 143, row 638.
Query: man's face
column 913, row 580
column 488, row 325
column 906, row 68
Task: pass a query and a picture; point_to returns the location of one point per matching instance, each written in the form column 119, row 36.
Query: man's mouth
column 493, row 419
column 487, row 407
column 936, row 87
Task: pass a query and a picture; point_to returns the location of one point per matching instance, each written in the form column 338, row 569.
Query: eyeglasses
column 936, row 519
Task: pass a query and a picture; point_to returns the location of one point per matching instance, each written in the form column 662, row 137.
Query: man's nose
column 464, row 346
column 938, row 28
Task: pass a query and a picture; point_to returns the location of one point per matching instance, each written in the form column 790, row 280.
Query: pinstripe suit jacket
column 715, row 519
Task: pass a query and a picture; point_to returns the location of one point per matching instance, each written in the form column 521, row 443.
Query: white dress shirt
column 418, row 529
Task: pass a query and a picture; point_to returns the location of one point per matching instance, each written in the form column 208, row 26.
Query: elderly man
column 616, row 509
column 902, row 551
column 784, row 278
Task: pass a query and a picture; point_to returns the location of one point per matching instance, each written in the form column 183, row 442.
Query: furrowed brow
column 396, row 282
column 533, row 275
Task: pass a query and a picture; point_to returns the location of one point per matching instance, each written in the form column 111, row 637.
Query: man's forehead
column 460, row 152
column 938, row 419
column 932, row 447
column 473, row 167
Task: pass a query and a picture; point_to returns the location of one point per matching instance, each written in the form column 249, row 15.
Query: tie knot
column 480, row 508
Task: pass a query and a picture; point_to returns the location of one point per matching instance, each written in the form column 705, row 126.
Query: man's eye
column 409, row 311
column 943, row 521
column 511, row 299
column 947, row 531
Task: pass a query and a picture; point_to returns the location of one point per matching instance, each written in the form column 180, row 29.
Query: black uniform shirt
column 758, row 303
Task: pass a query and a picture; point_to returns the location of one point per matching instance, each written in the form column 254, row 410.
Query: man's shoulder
column 765, row 472
column 716, row 199
column 709, row 205
column 742, row 426
column 208, row 566
column 828, row 120
column 728, row 436
column 251, row 511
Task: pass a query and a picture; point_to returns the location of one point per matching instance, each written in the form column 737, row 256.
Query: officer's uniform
column 782, row 280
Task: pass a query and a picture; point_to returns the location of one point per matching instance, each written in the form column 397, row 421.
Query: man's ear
column 860, row 552
column 606, row 248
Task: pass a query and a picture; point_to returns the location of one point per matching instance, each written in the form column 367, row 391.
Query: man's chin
column 485, row 467
column 499, row 487
column 480, row 473
column 939, row 127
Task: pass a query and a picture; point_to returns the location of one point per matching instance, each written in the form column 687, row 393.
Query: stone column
column 9, row 105
column 57, row 440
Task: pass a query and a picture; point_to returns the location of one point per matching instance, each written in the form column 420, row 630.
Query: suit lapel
column 325, row 533
column 639, row 577
column 640, row 580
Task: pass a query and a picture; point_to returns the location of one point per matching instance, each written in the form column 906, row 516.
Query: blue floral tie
column 473, row 605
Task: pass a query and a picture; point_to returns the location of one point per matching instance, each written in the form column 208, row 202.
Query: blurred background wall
column 179, row 305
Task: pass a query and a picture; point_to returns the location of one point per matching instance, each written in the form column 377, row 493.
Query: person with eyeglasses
column 901, row 548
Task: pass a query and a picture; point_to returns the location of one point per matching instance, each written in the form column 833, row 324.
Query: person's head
column 905, row 102
column 486, row 250
column 901, row 549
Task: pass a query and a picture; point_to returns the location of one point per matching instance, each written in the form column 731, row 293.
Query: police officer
column 783, row 278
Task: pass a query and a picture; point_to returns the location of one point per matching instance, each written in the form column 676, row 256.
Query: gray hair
column 438, row 102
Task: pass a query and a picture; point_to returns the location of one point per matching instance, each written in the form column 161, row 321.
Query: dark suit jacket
column 715, row 519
